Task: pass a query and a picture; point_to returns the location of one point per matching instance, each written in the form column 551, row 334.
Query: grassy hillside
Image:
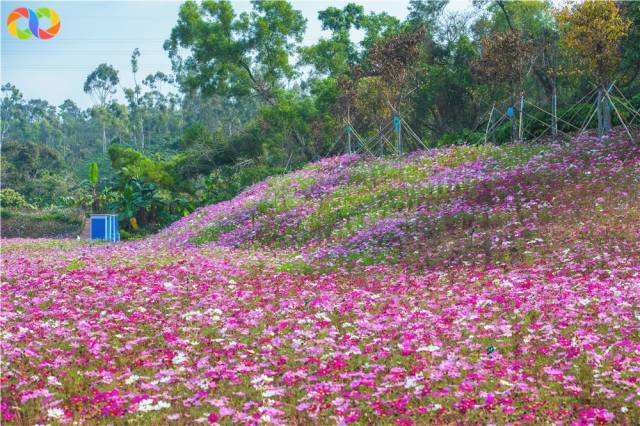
column 470, row 203
column 470, row 285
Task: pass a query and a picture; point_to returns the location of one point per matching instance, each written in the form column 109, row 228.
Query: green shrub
column 51, row 223
column 635, row 102
column 226, row 182
column 124, row 234
column 12, row 199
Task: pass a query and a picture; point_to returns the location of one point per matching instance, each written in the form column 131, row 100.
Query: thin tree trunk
column 514, row 126
column 554, row 111
column 142, row 133
column 520, row 130
column 606, row 110
column 104, row 139
column 600, row 115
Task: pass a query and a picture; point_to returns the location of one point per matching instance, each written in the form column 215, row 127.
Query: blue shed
column 104, row 227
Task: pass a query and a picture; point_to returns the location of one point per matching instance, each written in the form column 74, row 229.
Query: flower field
column 467, row 285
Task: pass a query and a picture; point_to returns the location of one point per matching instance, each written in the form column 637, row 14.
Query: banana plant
column 134, row 202
column 93, row 181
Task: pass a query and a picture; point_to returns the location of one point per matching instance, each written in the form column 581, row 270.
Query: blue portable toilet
column 104, row 227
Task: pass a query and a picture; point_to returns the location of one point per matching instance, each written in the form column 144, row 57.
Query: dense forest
column 246, row 99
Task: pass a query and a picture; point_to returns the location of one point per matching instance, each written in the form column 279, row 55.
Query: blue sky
column 93, row 32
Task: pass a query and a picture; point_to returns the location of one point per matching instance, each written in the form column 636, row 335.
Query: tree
column 336, row 55
column 393, row 59
column 35, row 170
column 128, row 163
column 101, row 84
column 505, row 58
column 426, row 12
column 11, row 110
column 27, row 160
column 378, row 26
column 74, row 128
column 592, row 32
column 236, row 55
column 630, row 48
column 133, row 96
column 444, row 75
column 535, row 21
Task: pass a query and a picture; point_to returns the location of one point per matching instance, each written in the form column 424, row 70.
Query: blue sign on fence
column 396, row 122
column 104, row 227
column 510, row 112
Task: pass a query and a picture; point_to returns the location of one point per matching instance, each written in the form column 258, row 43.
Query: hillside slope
column 478, row 203
column 470, row 285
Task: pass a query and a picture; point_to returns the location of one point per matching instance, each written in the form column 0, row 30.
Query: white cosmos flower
column 148, row 405
column 52, row 380
column 261, row 379
column 55, row 413
column 430, row 348
column 179, row 358
column 132, row 379
column 410, row 383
